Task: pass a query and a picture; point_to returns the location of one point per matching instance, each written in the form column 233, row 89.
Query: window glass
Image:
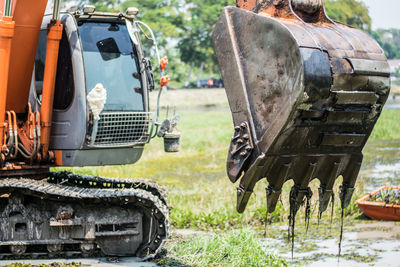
column 110, row 59
column 64, row 85
column 39, row 62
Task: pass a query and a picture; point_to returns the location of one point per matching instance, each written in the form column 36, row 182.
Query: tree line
column 184, row 30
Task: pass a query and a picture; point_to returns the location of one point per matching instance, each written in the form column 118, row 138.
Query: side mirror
column 148, row 67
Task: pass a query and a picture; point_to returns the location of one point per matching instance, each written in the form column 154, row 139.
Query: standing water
column 368, row 244
column 381, row 164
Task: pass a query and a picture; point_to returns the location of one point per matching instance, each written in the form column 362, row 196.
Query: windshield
column 110, row 59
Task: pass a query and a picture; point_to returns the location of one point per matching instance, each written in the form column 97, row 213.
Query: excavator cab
column 305, row 93
column 100, row 62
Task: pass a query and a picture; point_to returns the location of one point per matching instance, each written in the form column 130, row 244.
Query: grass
column 389, row 196
column 237, row 248
column 396, row 83
column 388, row 126
column 203, row 198
column 201, row 195
column 199, row 192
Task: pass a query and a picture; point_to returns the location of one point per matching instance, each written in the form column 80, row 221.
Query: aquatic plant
column 388, row 195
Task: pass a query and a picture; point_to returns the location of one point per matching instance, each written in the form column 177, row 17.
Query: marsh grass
column 203, row 198
column 236, row 248
column 200, row 194
column 388, row 126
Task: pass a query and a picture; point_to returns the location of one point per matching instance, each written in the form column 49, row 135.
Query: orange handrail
column 53, row 43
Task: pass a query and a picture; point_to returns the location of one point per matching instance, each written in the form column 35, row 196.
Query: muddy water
column 367, row 244
column 356, row 252
column 381, row 164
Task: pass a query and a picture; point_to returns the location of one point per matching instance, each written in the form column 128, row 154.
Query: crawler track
column 81, row 216
column 88, row 181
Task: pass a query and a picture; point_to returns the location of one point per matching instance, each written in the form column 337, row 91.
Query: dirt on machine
column 305, row 93
column 74, row 92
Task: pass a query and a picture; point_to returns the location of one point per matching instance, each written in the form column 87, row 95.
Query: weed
column 236, row 248
column 389, row 196
column 388, row 126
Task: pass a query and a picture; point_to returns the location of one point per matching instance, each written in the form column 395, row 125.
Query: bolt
column 240, row 141
column 243, row 154
column 248, row 148
column 243, row 125
column 246, row 137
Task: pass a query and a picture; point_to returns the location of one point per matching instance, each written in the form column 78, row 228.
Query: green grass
column 200, row 194
column 203, row 198
column 396, row 83
column 388, row 126
column 236, row 248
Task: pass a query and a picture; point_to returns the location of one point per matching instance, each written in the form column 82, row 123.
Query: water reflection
column 381, row 163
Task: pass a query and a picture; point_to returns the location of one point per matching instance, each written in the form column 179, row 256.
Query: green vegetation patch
column 389, row 196
column 237, row 248
column 388, row 126
column 360, row 258
column 200, row 193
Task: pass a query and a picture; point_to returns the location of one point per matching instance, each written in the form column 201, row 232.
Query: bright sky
column 384, row 13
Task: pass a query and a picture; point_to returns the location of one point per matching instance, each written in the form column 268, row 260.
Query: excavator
column 74, row 92
column 305, row 93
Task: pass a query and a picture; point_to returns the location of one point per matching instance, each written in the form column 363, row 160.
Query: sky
column 384, row 13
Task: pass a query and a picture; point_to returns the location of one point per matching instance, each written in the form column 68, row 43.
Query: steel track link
column 146, row 200
column 88, row 181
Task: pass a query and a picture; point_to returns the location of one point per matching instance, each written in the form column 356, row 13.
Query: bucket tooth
column 326, row 189
column 307, row 90
column 248, row 181
column 303, row 182
column 297, row 197
column 349, row 180
column 273, row 191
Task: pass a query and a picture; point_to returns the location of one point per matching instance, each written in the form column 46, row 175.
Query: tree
column 397, row 73
column 350, row 12
column 195, row 44
column 165, row 18
column 389, row 40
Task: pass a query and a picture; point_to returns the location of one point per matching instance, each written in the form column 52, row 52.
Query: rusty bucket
column 305, row 93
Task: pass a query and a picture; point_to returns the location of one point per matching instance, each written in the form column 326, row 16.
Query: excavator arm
column 29, row 130
column 305, row 93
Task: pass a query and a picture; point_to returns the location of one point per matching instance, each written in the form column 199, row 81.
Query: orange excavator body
column 19, row 40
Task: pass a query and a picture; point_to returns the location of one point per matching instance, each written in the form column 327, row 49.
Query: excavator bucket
column 305, row 93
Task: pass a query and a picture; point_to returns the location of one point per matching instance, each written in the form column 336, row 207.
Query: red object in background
column 163, row 63
column 164, row 81
column 379, row 210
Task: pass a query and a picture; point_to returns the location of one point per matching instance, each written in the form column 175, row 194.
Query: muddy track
column 133, row 196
